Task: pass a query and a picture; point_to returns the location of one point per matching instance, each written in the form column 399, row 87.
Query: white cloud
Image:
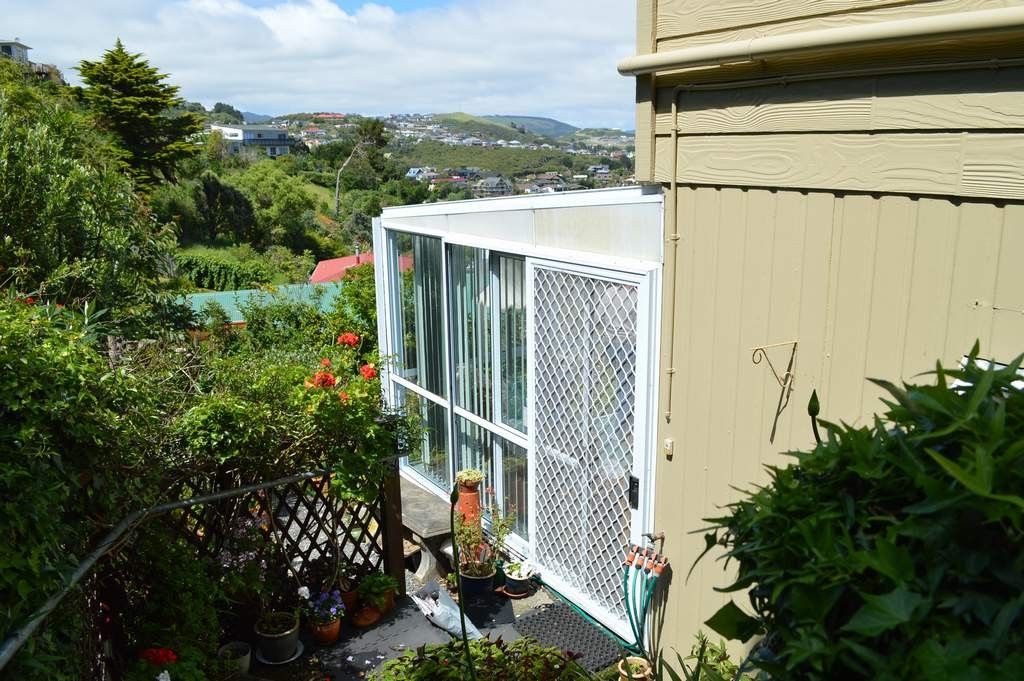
column 536, row 57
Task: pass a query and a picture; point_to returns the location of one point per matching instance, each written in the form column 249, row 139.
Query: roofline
column 586, row 197
column 830, row 40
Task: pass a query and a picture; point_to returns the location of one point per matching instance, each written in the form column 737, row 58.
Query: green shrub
column 521, row 660
column 72, row 456
column 891, row 551
column 72, row 229
column 212, row 270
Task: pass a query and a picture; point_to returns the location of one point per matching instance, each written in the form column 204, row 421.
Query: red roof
column 335, row 268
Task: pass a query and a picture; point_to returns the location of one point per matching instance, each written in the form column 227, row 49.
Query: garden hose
column 642, row 569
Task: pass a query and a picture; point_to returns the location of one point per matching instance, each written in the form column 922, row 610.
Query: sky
column 526, row 57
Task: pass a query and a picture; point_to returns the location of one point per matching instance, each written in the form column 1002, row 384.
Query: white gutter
column 829, row 39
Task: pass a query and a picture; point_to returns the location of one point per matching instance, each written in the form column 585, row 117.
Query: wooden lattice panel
column 303, row 516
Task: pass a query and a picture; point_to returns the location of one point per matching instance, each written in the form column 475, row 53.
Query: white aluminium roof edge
column 586, row 197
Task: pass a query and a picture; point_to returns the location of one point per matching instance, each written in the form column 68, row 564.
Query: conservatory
column 523, row 330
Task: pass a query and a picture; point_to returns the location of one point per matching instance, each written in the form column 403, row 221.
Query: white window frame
column 645, row 274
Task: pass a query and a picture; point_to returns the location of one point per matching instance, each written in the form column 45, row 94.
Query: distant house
column 18, row 51
column 455, row 182
column 493, row 186
column 275, row 141
column 15, row 49
column 598, row 170
column 421, row 174
column 335, row 268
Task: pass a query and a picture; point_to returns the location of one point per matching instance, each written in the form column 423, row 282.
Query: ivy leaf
column 881, row 613
column 733, row 623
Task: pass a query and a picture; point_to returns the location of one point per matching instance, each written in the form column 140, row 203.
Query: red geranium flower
column 29, row 300
column 324, row 379
column 344, row 397
column 368, row 371
column 325, row 362
column 348, row 338
column 159, row 656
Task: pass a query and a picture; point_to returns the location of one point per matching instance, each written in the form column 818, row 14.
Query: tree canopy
column 73, row 229
column 129, row 99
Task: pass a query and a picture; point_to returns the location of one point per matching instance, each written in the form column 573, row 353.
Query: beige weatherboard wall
column 844, row 185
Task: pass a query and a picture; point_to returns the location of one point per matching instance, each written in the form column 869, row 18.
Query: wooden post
column 391, row 507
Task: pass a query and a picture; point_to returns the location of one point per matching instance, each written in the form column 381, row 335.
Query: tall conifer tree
column 130, row 100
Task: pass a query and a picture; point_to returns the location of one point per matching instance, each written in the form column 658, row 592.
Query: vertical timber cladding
column 875, row 219
column 585, row 332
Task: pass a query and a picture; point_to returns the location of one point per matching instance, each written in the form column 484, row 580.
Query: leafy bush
column 355, row 310
column 710, row 662
column 213, row 270
column 892, row 551
column 72, row 454
column 374, row 587
column 173, row 597
column 521, row 660
column 71, row 228
column 283, row 208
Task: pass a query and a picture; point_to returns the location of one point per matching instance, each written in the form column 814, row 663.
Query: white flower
column 163, row 676
column 304, row 592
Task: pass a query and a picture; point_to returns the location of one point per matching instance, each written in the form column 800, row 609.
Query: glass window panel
column 472, row 344
column 477, row 447
column 512, row 340
column 514, row 475
column 430, row 458
column 416, row 265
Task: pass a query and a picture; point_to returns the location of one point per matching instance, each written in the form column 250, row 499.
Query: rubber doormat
column 557, row 625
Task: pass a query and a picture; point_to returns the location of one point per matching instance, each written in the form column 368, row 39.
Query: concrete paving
column 359, row 652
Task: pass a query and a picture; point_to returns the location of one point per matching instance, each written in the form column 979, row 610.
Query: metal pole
column 12, row 644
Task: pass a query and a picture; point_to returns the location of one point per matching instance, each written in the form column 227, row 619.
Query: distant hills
column 255, row 118
column 511, row 127
column 538, row 125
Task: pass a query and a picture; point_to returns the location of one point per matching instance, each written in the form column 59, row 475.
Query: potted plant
column 517, row 579
column 478, row 553
column 277, row 635
column 348, row 583
column 236, row 655
column 377, row 592
column 634, row 669
column 468, row 506
column 323, row 613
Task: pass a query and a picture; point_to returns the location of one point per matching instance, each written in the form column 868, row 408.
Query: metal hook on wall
column 785, row 379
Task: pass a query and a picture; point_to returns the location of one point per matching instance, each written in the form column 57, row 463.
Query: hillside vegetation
column 504, row 161
column 538, row 125
column 480, row 126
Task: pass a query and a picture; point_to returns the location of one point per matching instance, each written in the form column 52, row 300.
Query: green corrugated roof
column 232, row 301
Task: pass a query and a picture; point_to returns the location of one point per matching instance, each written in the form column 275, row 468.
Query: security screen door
column 586, row 366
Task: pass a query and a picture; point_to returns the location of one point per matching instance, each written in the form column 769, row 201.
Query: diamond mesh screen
column 586, row 339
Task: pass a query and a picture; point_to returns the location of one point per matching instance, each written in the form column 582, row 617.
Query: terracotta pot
column 468, row 505
column 278, row 644
column 326, row 633
column 367, row 617
column 351, row 600
column 642, row 666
